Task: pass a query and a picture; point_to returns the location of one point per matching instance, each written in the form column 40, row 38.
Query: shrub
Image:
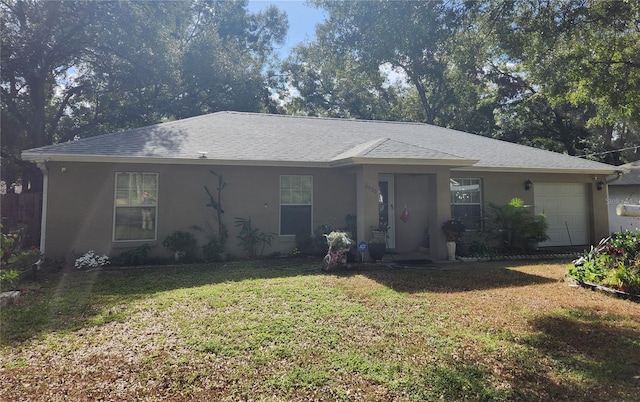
column 8, row 278
column 24, row 260
column 304, row 242
column 136, row 256
column 252, row 240
column 614, row 262
column 13, row 260
column 514, row 225
column 319, row 242
column 183, row 245
column 213, row 249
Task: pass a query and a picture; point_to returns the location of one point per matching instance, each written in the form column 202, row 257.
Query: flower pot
column 451, row 250
column 378, row 236
column 376, row 250
column 179, row 256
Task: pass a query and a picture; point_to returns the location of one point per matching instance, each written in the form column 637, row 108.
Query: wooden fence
column 22, row 211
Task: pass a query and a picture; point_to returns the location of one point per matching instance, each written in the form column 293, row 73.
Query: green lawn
column 273, row 331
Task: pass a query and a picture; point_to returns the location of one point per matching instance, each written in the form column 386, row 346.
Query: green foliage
column 216, row 204
column 334, row 84
column 13, row 260
column 615, row 263
column 53, row 263
column 136, row 256
column 283, row 331
column 320, row 246
column 479, row 248
column 134, row 64
column 252, row 240
column 183, row 244
column 24, row 260
column 304, row 242
column 8, row 278
column 213, row 248
column 561, row 75
column 514, row 225
column 10, row 246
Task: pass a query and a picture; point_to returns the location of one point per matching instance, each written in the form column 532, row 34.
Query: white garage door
column 566, row 207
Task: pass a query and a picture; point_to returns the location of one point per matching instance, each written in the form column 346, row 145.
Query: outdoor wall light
column 63, row 169
column 600, row 185
column 528, row 184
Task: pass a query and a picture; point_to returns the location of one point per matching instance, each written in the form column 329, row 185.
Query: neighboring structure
column 292, row 174
column 626, row 190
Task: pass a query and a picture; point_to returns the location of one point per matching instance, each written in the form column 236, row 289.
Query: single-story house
column 625, row 190
column 292, row 174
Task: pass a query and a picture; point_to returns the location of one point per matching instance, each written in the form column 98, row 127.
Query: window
column 136, row 204
column 466, row 202
column 296, row 194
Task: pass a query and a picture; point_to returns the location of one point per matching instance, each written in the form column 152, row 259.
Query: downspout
column 45, row 190
column 619, row 174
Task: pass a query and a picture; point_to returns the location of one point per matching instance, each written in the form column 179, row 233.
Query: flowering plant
column 338, row 240
column 25, row 259
column 92, row 260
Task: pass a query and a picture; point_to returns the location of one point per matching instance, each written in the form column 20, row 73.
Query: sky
column 302, row 20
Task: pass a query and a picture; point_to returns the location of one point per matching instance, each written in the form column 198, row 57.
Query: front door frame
column 386, row 206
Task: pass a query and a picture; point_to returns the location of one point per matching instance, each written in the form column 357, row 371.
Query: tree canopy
column 81, row 68
column 556, row 74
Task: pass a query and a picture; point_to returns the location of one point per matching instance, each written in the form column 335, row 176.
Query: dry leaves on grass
column 379, row 334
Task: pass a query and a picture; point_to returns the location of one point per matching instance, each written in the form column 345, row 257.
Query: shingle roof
column 254, row 138
column 631, row 177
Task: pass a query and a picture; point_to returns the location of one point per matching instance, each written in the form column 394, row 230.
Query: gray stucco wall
column 80, row 206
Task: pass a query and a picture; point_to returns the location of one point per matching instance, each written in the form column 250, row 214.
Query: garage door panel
column 566, row 207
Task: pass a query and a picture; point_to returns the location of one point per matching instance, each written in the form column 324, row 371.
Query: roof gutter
column 619, row 174
column 345, row 161
column 513, row 169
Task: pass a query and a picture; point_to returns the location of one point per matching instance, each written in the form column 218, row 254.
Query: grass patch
column 276, row 331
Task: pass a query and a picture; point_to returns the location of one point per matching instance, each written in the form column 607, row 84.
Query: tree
column 556, row 74
column 80, row 68
column 321, row 82
column 580, row 58
column 413, row 37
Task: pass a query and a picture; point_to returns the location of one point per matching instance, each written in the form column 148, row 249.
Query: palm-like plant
column 514, row 225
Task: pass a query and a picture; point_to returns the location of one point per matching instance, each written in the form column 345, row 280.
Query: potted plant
column 453, row 230
column 376, row 249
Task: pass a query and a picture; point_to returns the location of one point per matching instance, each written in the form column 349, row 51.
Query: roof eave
column 31, row 157
column 43, row 157
column 529, row 169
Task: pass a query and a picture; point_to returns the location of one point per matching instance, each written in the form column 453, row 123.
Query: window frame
column 294, row 204
column 467, row 181
column 117, row 206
